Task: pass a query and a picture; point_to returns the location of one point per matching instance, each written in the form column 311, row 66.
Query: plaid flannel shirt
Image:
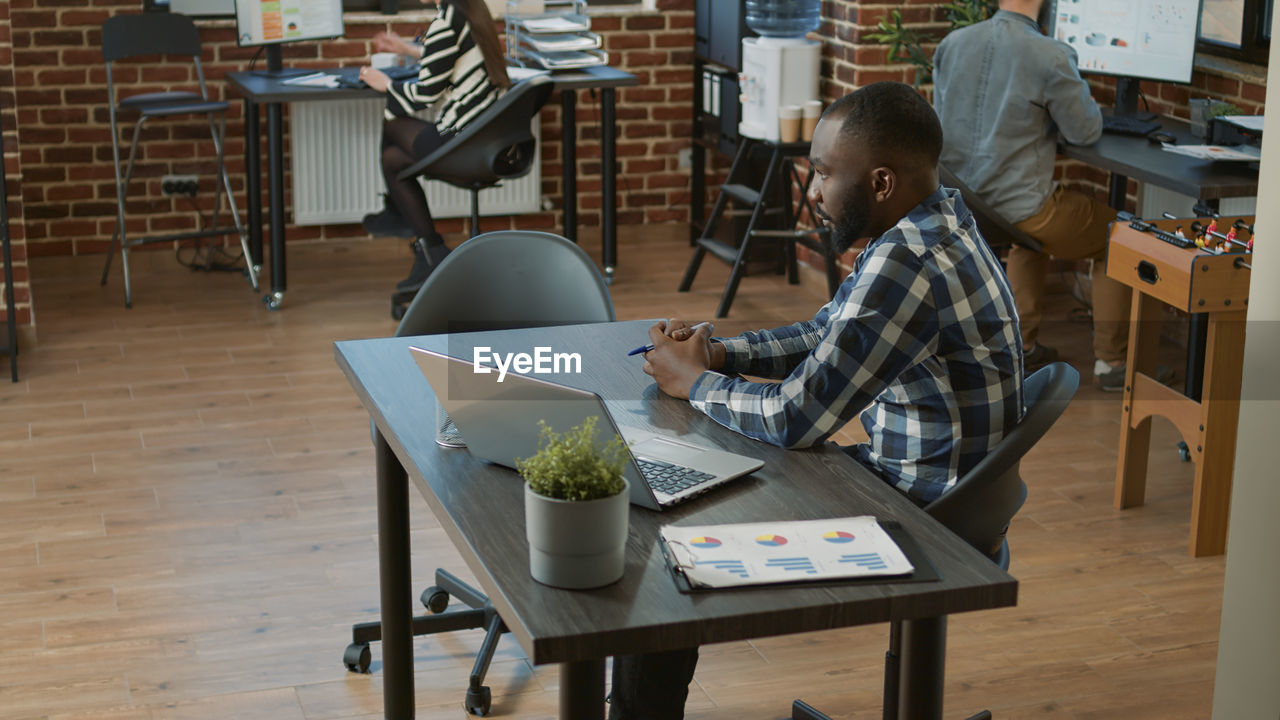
column 921, row 338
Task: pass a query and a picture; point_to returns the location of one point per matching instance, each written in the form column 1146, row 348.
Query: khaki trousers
column 1071, row 226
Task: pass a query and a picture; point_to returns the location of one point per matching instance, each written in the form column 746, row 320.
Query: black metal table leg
column 253, row 178
column 275, row 190
column 394, row 569
column 609, row 181
column 582, row 690
column 923, row 668
column 569, row 162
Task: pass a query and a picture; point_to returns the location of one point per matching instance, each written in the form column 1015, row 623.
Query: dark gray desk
column 257, row 90
column 481, row 508
column 1126, row 156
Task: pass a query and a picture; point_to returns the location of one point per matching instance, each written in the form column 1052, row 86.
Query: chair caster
column 1184, row 452
column 357, row 657
column 479, row 701
column 273, row 301
column 435, row 599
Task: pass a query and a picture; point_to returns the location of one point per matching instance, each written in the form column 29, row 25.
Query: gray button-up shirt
column 1003, row 92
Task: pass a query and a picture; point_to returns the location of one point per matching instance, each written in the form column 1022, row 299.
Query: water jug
column 784, row 18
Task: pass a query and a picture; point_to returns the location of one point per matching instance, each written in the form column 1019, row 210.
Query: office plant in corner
column 575, row 508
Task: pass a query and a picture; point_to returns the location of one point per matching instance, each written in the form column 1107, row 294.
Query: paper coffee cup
column 812, row 112
column 384, row 60
column 789, row 123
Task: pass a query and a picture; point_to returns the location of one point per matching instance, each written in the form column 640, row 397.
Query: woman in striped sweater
column 461, row 71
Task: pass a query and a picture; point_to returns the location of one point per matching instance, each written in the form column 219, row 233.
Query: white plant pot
column 576, row 545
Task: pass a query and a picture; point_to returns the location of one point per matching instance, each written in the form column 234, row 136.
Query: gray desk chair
column 130, row 36
column 984, row 501
column 497, row 145
column 499, row 280
column 997, row 231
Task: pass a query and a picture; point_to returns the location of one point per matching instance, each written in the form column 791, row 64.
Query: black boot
column 430, row 254
column 387, row 223
column 418, row 273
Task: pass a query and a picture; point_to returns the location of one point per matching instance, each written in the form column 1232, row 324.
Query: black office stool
column 480, row 614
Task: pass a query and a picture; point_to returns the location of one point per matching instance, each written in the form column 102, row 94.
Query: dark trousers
column 652, row 686
column 405, row 141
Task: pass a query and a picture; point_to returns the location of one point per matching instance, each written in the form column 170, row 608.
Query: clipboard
column 924, row 571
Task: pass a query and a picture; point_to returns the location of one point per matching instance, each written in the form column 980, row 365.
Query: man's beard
column 855, row 215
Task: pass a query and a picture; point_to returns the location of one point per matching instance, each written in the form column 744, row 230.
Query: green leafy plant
column 573, row 466
column 907, row 45
column 1218, row 108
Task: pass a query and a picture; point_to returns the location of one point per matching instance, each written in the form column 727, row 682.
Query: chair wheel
column 479, row 701
column 1184, row 452
column 357, row 657
column 435, row 599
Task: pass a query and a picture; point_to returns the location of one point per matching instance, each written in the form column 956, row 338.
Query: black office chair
column 997, row 231
column 130, row 36
column 499, row 280
column 983, row 502
column 497, row 145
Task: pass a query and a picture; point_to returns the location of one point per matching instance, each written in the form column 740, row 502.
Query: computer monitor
column 270, row 23
column 1131, row 39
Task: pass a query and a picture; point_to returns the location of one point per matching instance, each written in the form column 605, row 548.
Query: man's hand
column 375, row 78
column 679, row 356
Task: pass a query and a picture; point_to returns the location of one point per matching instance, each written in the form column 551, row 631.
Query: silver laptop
column 499, row 423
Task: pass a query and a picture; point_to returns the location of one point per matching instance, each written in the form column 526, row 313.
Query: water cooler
column 780, row 67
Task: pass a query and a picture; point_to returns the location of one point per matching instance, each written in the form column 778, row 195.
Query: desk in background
column 481, row 508
column 273, row 93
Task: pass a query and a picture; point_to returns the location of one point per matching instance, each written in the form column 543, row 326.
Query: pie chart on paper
column 705, row 542
column 771, row 540
column 838, row 536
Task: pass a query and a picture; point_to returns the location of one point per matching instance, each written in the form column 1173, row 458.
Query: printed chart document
column 781, row 552
column 1238, row 153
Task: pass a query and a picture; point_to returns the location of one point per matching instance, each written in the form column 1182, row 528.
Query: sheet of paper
column 522, row 73
column 1252, row 123
column 316, row 80
column 779, row 552
column 1239, row 153
column 552, row 24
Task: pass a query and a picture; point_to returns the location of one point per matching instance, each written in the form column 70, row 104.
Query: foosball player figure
column 1178, row 231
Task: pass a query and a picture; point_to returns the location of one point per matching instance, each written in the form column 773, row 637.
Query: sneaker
column 1111, row 379
column 388, row 223
column 1037, row 357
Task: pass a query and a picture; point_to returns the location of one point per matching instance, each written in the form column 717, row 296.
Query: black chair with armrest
column 172, row 34
column 499, row 280
column 997, row 231
column 983, row 502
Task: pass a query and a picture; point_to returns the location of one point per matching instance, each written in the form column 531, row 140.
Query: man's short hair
column 891, row 117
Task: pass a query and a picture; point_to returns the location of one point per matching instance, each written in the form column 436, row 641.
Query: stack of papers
column 1239, row 153
column 319, row 79
column 712, row 556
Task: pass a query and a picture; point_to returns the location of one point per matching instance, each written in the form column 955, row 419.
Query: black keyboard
column 1128, row 125
column 401, row 72
column 671, row 479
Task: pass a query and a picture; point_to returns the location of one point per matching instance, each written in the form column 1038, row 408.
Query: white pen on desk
column 693, row 329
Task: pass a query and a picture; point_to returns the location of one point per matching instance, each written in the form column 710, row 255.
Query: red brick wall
column 13, row 176
column 69, row 192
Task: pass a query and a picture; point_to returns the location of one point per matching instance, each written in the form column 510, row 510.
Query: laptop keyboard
column 671, row 479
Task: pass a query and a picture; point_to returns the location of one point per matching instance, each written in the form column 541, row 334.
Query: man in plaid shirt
column 921, row 339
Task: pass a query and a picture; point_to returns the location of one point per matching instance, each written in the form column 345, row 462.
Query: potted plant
column 575, row 508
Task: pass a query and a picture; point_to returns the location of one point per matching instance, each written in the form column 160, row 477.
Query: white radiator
column 337, row 176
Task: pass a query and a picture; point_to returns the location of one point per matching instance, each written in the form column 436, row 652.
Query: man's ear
column 884, row 181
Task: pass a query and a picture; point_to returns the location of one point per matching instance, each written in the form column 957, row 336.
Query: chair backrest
column 982, row 503
column 126, row 36
column 497, row 145
column 997, row 231
column 509, row 279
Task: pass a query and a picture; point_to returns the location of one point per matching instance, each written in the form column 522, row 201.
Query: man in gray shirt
column 1004, row 94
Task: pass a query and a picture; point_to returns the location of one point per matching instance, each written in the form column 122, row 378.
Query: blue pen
column 692, row 330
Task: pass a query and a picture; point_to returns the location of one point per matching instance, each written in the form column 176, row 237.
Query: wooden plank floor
column 187, row 523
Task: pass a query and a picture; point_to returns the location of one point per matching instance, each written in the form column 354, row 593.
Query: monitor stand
column 1127, row 89
column 275, row 66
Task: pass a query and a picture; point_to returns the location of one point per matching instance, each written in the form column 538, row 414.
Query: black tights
column 404, row 142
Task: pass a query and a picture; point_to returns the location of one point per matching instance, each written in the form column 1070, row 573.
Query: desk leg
column 253, row 180
column 1118, row 191
column 582, row 690
column 1135, row 439
column 275, row 190
column 609, row 181
column 394, row 582
column 569, row 162
column 923, row 668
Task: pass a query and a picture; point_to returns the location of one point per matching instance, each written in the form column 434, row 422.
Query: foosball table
column 1197, row 265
